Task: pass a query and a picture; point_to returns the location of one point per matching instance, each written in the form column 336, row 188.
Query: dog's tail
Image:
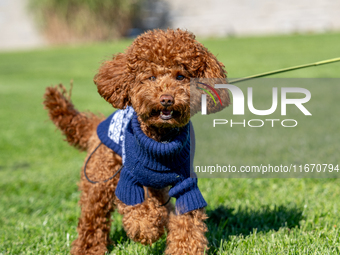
column 77, row 127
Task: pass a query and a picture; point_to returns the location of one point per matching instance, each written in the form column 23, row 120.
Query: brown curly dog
column 150, row 83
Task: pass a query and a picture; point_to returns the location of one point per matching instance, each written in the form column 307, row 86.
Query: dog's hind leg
column 97, row 202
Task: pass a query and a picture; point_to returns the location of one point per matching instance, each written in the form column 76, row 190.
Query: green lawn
column 39, row 171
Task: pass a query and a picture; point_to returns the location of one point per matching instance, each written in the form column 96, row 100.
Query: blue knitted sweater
column 150, row 163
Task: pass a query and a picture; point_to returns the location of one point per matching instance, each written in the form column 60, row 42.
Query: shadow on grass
column 224, row 222
column 120, row 237
column 158, row 247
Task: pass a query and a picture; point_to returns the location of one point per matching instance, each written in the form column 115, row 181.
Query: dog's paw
column 145, row 222
column 79, row 247
column 187, row 234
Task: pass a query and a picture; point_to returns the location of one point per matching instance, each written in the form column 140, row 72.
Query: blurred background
column 35, row 23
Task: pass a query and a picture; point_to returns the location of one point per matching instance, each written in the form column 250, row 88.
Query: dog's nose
column 166, row 100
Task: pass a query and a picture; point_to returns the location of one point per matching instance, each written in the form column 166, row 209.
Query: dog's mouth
column 165, row 114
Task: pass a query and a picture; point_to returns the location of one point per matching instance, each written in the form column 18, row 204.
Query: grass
column 39, row 171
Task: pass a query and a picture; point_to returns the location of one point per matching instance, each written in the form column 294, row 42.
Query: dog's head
column 153, row 76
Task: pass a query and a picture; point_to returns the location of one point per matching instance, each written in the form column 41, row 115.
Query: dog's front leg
column 187, row 233
column 144, row 222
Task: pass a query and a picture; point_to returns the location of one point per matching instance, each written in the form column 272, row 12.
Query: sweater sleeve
column 128, row 190
column 188, row 196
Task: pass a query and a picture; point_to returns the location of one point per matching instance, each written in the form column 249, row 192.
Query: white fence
column 202, row 17
column 17, row 29
column 248, row 17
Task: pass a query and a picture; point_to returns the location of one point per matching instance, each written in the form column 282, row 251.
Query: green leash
column 328, row 61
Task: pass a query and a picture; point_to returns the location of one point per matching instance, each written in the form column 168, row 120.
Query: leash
column 88, row 159
column 165, row 202
column 319, row 63
column 147, row 194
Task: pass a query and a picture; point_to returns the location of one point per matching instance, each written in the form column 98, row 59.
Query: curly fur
column 148, row 69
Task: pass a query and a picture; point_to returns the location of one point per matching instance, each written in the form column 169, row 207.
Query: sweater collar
column 157, row 155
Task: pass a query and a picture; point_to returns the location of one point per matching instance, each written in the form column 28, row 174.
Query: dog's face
column 154, row 74
column 161, row 95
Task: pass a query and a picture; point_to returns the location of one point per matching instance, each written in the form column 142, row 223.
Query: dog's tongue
column 166, row 112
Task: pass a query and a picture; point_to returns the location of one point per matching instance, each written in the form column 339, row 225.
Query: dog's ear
column 114, row 80
column 211, row 67
column 212, row 72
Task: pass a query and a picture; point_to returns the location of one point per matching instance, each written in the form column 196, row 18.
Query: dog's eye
column 180, row 77
column 152, row 78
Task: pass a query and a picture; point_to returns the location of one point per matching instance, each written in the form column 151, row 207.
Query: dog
column 141, row 156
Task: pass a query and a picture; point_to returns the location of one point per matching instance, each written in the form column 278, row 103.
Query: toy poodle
column 142, row 155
